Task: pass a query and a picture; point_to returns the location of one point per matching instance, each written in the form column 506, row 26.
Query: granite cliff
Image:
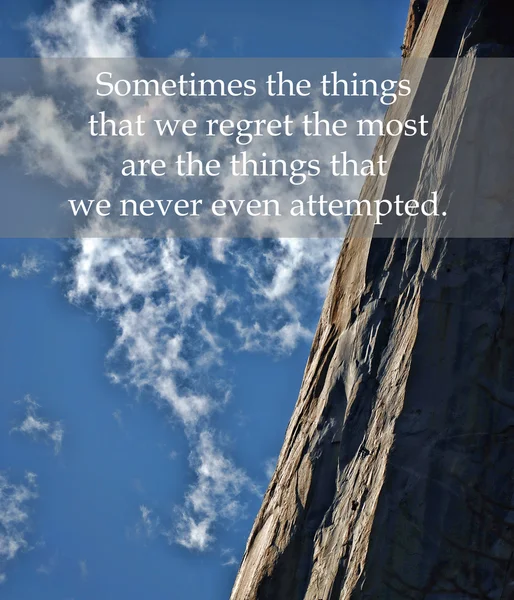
column 395, row 480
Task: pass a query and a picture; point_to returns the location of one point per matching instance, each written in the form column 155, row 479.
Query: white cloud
column 274, row 341
column 287, row 279
column 228, row 558
column 180, row 53
column 38, row 127
column 192, row 534
column 149, row 524
column 8, row 133
column 85, row 28
column 215, row 494
column 38, row 427
column 153, row 294
column 306, row 260
column 160, row 293
column 159, row 300
column 30, row 265
column 118, row 417
column 48, row 142
column 202, row 41
column 155, row 297
column 14, row 517
column 45, row 131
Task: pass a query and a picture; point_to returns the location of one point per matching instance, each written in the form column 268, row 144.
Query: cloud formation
column 84, row 28
column 15, row 501
column 29, row 265
column 148, row 525
column 160, row 302
column 178, row 306
column 39, row 428
column 215, row 494
column 43, row 128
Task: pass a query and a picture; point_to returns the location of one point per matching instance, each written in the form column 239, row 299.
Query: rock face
column 396, row 480
column 417, row 10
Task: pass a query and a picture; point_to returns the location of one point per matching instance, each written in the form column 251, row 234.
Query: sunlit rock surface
column 396, row 480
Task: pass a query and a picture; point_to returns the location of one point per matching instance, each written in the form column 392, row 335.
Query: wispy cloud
column 214, row 495
column 161, row 293
column 149, row 524
column 228, row 558
column 118, row 417
column 8, row 133
column 154, row 295
column 85, row 28
column 160, row 299
column 15, row 500
column 30, row 264
column 202, row 41
column 181, row 53
column 39, row 428
column 199, row 44
column 286, row 279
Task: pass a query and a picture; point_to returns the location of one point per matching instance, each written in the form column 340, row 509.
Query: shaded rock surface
column 395, row 480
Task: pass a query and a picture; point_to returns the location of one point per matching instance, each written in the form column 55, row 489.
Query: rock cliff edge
column 395, row 480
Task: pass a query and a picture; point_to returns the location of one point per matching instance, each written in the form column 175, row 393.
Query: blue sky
column 147, row 386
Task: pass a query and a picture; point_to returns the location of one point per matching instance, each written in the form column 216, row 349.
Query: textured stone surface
column 395, row 480
column 416, row 13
